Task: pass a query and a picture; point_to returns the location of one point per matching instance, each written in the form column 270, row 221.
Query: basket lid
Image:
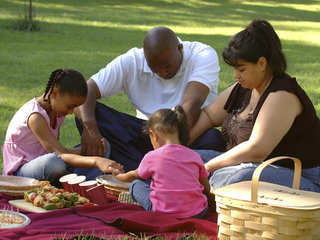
column 272, row 194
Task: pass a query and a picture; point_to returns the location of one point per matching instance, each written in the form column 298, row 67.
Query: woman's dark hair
column 257, row 40
column 169, row 121
column 68, row 81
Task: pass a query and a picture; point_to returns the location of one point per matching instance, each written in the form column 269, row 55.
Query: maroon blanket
column 111, row 220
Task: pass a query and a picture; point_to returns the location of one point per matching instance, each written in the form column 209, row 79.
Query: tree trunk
column 30, row 14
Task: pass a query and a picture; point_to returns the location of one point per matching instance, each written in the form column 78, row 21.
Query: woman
column 263, row 115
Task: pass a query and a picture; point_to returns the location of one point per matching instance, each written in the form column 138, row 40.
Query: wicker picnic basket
column 277, row 212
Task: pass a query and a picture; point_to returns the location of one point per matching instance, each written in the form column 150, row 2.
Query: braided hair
column 169, row 121
column 68, row 81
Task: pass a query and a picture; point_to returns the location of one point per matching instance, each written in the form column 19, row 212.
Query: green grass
column 141, row 236
column 86, row 35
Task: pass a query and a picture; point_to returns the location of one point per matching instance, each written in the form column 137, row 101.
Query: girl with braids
column 31, row 147
column 264, row 114
column 178, row 177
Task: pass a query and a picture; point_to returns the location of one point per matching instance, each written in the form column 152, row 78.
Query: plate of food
column 111, row 182
column 46, row 197
column 12, row 219
column 17, row 183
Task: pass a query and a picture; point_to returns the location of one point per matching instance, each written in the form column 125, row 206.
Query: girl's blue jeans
column 51, row 167
column 310, row 177
column 140, row 192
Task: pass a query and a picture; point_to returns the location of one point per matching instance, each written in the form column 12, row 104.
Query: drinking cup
column 64, row 181
column 74, row 183
column 97, row 194
column 84, row 186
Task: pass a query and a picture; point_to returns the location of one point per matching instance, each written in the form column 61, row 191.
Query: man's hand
column 92, row 143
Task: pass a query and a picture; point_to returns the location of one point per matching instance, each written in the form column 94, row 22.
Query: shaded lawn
column 86, row 35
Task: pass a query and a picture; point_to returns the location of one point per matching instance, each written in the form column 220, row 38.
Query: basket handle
column 258, row 170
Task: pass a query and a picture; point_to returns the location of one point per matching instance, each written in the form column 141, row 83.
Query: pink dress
column 175, row 186
column 21, row 145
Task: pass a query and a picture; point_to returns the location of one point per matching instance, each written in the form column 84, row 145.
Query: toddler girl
column 178, row 176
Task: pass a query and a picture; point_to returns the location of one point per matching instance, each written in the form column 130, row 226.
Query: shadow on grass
column 178, row 13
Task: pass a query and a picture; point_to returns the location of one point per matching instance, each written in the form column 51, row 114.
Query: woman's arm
column 210, row 116
column 274, row 120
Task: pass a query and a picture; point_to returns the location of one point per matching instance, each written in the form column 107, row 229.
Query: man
column 166, row 72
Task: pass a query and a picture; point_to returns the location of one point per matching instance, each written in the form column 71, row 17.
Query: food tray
column 111, row 182
column 28, row 206
column 11, row 215
column 17, row 183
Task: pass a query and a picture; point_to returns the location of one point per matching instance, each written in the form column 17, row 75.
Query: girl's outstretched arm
column 127, row 177
column 104, row 164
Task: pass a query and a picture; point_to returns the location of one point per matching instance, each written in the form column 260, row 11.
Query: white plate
column 17, row 183
column 110, row 181
column 9, row 215
column 14, row 193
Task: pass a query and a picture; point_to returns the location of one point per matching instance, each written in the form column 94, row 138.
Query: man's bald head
column 158, row 40
column 163, row 52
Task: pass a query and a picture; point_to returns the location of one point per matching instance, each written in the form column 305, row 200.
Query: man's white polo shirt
column 148, row 92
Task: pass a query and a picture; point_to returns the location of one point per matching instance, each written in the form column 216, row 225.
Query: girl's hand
column 116, row 172
column 126, row 177
column 107, row 165
column 120, row 176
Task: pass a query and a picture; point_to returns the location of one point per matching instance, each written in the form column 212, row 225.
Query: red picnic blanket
column 110, row 220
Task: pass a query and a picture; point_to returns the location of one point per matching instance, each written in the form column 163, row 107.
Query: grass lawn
column 86, row 35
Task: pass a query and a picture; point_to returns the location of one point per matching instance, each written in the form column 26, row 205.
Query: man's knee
column 211, row 140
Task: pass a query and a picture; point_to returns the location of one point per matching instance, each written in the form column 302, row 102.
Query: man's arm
column 91, row 137
column 193, row 98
